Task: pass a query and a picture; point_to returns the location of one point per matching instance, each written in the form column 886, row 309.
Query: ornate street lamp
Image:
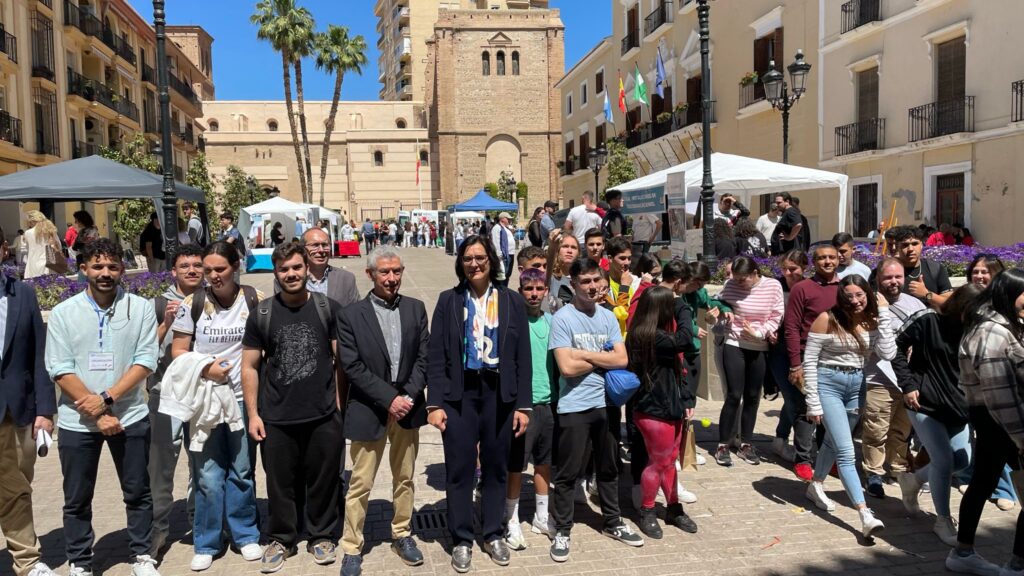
column 707, row 187
column 778, row 93
column 598, row 158
column 170, row 197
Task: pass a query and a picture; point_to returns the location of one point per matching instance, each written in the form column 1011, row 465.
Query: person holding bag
column 44, row 253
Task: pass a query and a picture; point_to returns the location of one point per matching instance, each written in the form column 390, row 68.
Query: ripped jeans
column 841, row 394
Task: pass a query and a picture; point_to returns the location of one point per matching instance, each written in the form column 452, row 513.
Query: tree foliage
column 507, row 187
column 239, row 190
column 132, row 214
column 492, row 189
column 522, row 190
column 620, row 168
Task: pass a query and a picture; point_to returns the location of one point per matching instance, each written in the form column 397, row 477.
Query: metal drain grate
column 429, row 520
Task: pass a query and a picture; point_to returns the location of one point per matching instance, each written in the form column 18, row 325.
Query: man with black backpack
column 289, row 380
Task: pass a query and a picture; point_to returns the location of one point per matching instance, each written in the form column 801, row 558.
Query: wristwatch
column 107, row 398
column 928, row 296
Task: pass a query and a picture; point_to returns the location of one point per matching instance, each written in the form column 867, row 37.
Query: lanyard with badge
column 100, row 360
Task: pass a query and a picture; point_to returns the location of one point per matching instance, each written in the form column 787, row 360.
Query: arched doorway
column 503, row 153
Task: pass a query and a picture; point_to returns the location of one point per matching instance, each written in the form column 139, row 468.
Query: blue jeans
column 949, row 450
column 225, row 488
column 840, row 394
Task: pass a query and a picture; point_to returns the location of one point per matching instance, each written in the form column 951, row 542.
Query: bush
column 53, row 289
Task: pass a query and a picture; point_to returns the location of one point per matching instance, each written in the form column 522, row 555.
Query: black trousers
column 744, row 378
column 571, row 434
column 79, row 462
column 303, row 459
column 479, row 417
column 993, row 451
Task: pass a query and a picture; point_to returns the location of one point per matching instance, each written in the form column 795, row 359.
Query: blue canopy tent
column 484, row 201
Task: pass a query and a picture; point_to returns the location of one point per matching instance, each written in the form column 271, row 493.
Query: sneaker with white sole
column 945, row 528
column 144, row 566
column 41, row 569
column 701, row 460
column 201, row 562
column 685, row 496
column 623, row 533
column 514, row 535
column 560, row 547
column 816, row 493
column 78, row 571
column 251, row 552
column 971, row 563
column 910, row 486
column 539, row 526
column 870, row 525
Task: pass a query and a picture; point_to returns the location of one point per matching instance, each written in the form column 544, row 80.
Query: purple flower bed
column 52, row 290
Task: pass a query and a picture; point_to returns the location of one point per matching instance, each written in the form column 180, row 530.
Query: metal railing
column 182, row 88
column 201, row 144
column 941, row 118
column 149, row 123
column 751, row 93
column 83, row 149
column 663, row 14
column 8, row 44
column 47, row 3
column 10, row 128
column 630, row 40
column 860, row 136
column 148, row 74
column 857, row 13
column 120, row 46
column 93, row 90
column 679, row 120
column 126, row 107
column 1017, row 101
column 693, row 114
column 188, row 135
column 82, row 19
column 179, row 173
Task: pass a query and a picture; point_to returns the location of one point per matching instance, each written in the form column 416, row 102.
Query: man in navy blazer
column 28, row 402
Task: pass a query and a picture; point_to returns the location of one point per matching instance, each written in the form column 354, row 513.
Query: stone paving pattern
column 752, row 519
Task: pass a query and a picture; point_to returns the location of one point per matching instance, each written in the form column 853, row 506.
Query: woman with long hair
column 40, row 234
column 984, row 268
column 793, row 264
column 991, row 361
column 838, row 345
column 757, row 308
column 725, row 241
column 656, row 339
column 534, row 231
column 562, row 251
column 935, row 403
column 223, row 476
column 749, row 241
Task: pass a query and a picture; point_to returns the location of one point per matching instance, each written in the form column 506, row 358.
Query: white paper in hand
column 43, row 441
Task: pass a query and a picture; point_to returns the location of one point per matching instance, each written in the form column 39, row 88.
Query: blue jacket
column 25, row 388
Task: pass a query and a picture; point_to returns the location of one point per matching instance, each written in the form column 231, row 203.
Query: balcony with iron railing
column 188, row 135
column 83, row 149
column 857, row 13
column 182, row 88
column 662, row 15
column 92, row 90
column 120, row 46
column 678, row 119
column 8, row 44
column 630, row 41
column 45, row 144
column 126, row 107
column 941, row 118
column 860, row 136
column 1017, row 101
column 42, row 67
column 201, row 144
column 148, row 74
column 81, row 19
column 692, row 114
column 47, row 3
column 10, row 128
column 751, row 93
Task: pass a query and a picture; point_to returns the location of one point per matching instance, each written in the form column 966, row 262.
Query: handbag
column 620, row 385
column 55, row 260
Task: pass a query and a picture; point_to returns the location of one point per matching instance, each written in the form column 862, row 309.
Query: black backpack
column 323, row 311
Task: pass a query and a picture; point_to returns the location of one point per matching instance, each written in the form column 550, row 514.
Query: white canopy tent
column 281, row 210
column 467, row 215
column 743, row 177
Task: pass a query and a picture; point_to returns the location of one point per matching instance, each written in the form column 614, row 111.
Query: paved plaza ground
column 752, row 519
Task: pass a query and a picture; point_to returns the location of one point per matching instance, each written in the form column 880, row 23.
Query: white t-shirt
column 392, row 229
column 766, row 225
column 346, row 232
column 644, row 226
column 583, row 220
column 219, row 332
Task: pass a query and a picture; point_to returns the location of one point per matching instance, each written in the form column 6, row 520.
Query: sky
column 245, row 68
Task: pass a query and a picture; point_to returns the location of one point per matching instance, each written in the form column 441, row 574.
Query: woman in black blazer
column 480, row 393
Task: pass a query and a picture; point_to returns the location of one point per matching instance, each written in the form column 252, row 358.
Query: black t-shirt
column 789, row 220
column 152, row 235
column 297, row 377
column 932, row 273
column 276, row 236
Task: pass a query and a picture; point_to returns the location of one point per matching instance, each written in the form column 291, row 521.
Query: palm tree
column 303, row 48
column 336, row 54
column 286, row 26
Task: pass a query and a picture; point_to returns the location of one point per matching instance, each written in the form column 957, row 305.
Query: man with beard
column 100, row 347
column 337, row 284
column 807, row 300
column 788, row 228
column 923, row 279
column 386, row 368
column 167, row 431
column 293, row 408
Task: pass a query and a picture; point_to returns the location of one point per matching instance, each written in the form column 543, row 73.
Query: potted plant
column 664, row 117
column 681, row 107
column 748, row 79
column 560, row 163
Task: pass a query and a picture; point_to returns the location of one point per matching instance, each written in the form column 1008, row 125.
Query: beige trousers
column 885, row 432
column 17, row 460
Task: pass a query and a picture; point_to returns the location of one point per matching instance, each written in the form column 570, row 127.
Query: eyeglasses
column 474, row 259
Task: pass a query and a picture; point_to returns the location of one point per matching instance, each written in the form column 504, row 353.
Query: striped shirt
column 760, row 308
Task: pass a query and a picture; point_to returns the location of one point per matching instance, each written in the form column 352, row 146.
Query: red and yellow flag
column 622, row 94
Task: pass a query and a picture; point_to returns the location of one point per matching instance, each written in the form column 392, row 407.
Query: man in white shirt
column 726, row 208
column 504, row 240
column 347, row 232
column 645, row 230
column 766, row 223
column 582, row 218
column 843, row 243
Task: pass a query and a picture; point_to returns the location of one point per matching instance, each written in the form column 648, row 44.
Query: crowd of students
column 541, row 375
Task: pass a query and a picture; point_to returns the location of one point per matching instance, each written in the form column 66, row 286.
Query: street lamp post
column 170, row 198
column 598, row 158
column 777, row 91
column 707, row 187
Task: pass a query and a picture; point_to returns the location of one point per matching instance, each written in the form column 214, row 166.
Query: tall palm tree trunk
column 302, row 125
column 286, row 64
column 338, row 79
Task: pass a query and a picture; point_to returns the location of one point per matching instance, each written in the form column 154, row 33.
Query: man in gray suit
column 27, row 405
column 337, row 284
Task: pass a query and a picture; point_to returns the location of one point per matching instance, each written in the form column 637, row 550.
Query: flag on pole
column 608, row 117
column 640, row 88
column 417, row 162
column 659, row 81
column 622, row 94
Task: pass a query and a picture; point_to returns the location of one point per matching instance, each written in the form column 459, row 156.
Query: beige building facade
column 76, row 77
column 372, row 160
column 923, row 107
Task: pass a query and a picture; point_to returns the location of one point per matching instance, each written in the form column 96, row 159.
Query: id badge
column 101, row 361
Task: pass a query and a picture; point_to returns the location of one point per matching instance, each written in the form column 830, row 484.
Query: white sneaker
column 701, row 460
column 201, row 562
column 78, row 571
column 636, row 496
column 945, row 528
column 539, row 526
column 910, row 486
column 251, row 552
column 41, row 569
column 783, row 450
column 685, row 496
column 144, row 566
column 514, row 536
column 871, row 525
column 816, row 493
column 970, row 564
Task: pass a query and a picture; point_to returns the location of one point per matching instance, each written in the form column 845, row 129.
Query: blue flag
column 608, row 117
column 659, row 81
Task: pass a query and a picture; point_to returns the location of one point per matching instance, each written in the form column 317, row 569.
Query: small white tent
column 744, row 177
column 277, row 210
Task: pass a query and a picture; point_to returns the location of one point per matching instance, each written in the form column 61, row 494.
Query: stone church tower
column 491, row 100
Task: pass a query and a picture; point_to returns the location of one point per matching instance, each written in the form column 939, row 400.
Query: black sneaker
column 407, row 551
column 722, row 456
column 351, row 565
column 623, row 533
column 649, row 523
column 462, row 558
column 875, row 487
column 560, row 547
column 749, row 455
column 498, row 551
column 676, row 516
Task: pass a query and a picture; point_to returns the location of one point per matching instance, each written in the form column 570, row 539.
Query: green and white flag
column 640, row 88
